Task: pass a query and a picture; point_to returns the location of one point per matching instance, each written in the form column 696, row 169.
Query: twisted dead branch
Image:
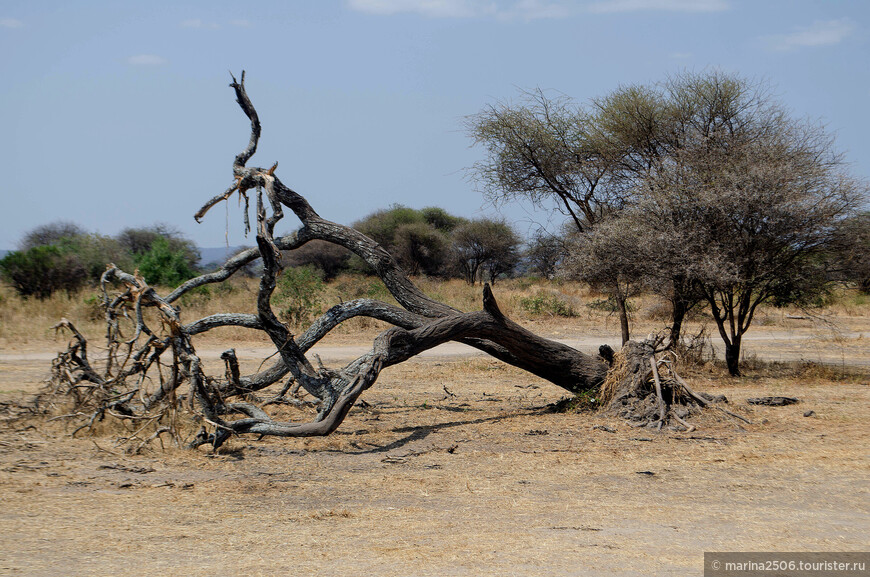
column 141, row 377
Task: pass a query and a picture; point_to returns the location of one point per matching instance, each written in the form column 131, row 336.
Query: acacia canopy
column 701, row 187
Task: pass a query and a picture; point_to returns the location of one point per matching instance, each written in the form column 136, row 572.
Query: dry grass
column 456, row 467
column 477, row 479
column 25, row 322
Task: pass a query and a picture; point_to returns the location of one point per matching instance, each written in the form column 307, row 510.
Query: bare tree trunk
column 621, row 304
column 732, row 356
column 677, row 316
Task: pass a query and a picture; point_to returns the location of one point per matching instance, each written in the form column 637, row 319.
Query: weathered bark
column 733, row 311
column 636, row 390
column 732, row 357
column 684, row 295
column 677, row 317
column 622, row 305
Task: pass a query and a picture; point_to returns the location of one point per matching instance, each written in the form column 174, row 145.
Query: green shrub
column 94, row 307
column 298, row 291
column 547, row 304
column 95, row 251
column 162, row 265
column 583, row 402
column 417, row 239
column 41, row 270
column 138, row 241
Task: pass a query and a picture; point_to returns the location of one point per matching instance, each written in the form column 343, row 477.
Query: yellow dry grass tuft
column 615, row 376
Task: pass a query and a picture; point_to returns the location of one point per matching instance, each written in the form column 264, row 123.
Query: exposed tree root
column 649, row 392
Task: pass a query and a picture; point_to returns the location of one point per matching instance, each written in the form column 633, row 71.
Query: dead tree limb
column 419, row 323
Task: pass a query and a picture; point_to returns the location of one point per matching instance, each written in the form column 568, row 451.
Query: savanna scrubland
column 454, row 463
column 457, row 463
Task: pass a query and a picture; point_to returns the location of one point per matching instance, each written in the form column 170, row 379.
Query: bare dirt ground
column 477, row 479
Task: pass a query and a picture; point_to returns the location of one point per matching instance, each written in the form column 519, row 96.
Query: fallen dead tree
column 148, row 377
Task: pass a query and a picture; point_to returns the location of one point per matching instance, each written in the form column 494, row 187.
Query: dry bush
column 849, row 302
column 659, row 310
column 695, row 350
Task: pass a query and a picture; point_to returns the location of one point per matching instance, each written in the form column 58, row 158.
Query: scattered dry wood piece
column 773, row 401
column 117, row 467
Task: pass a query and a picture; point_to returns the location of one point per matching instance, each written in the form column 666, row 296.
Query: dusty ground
column 486, row 482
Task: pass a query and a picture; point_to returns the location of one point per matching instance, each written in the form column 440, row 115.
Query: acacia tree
column 418, row 239
column 484, row 248
column 848, row 258
column 546, row 253
column 51, row 233
column 743, row 211
column 141, row 240
column 121, row 386
column 638, row 164
column 766, row 206
column 608, row 256
column 581, row 161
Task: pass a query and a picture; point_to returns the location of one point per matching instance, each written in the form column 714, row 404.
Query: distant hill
column 216, row 255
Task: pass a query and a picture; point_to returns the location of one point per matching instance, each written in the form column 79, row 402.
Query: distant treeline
column 430, row 241
column 63, row 256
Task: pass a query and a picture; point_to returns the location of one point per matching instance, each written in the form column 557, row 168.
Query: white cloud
column 821, row 33
column 146, row 60
column 681, row 55
column 609, row 6
column 536, row 10
column 430, row 8
column 241, row 23
column 522, row 9
column 528, row 9
column 11, row 23
column 197, row 23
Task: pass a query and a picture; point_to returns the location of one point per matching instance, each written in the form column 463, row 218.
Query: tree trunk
column 732, row 356
column 621, row 299
column 677, row 316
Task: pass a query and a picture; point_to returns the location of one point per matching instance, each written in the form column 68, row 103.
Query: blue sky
column 117, row 114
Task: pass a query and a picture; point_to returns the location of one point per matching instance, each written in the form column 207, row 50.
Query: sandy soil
column 480, row 480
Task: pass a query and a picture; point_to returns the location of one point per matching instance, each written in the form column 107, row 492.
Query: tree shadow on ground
column 418, row 433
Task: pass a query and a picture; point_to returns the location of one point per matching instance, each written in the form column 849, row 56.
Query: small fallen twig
column 155, row 435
